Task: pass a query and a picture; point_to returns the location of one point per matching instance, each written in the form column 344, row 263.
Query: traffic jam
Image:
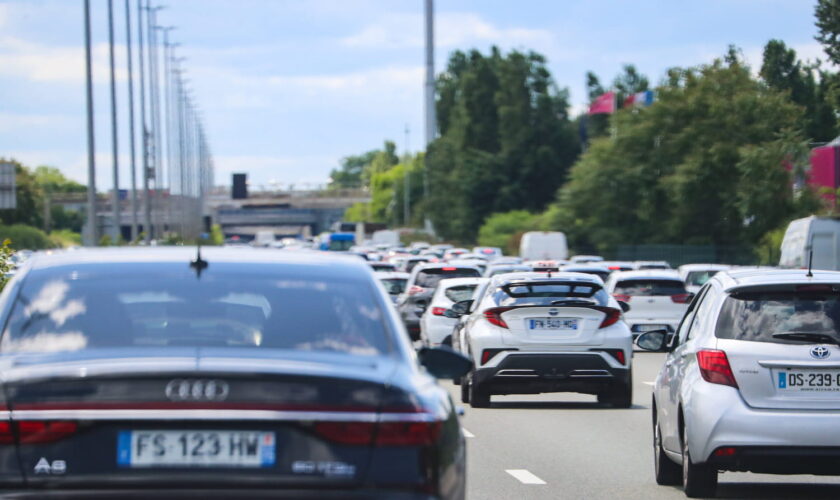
column 300, row 373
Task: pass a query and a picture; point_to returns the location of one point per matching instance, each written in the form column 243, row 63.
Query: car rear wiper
column 823, row 338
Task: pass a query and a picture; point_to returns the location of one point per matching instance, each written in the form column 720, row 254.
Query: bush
column 504, row 229
column 25, row 237
column 65, row 238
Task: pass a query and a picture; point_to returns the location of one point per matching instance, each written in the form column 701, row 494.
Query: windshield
column 62, row 313
column 460, row 292
column 649, row 287
column 341, row 245
column 771, row 316
column 394, row 286
column 699, row 278
column 429, row 278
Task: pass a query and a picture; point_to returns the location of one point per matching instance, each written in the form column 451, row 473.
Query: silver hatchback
column 751, row 381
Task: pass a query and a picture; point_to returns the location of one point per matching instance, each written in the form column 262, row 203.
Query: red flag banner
column 604, row 103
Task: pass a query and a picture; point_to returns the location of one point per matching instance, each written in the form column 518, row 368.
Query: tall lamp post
column 91, row 147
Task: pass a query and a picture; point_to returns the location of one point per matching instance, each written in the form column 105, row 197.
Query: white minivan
column 820, row 234
column 543, row 245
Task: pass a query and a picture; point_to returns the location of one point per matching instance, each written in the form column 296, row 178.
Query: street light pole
column 154, row 117
column 144, row 132
column 115, row 197
column 131, row 134
column 91, row 187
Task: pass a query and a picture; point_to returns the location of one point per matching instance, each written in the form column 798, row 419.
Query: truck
column 337, row 242
column 543, row 245
column 818, row 234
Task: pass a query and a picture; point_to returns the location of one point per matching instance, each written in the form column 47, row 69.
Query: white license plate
column 553, row 324
column 808, row 380
column 204, row 448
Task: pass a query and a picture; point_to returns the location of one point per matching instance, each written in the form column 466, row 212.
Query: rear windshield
column 758, row 316
column 699, row 278
column 394, row 286
column 84, row 311
column 459, row 293
column 601, row 274
column 649, row 287
column 429, row 278
column 551, row 293
column 383, row 267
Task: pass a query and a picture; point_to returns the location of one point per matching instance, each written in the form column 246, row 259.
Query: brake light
column 725, row 451
column 618, row 354
column 714, row 367
column 611, row 317
column 681, row 298
column 494, row 316
column 6, row 435
column 414, row 290
column 814, row 288
column 622, row 297
column 407, row 433
column 37, row 431
column 487, row 251
column 382, row 434
column 448, row 268
column 438, row 311
column 487, row 354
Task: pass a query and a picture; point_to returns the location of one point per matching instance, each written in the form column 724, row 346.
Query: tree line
column 719, row 158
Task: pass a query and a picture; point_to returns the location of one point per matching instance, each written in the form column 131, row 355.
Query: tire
column 619, row 396
column 465, row 390
column 666, row 471
column 479, row 396
column 699, row 480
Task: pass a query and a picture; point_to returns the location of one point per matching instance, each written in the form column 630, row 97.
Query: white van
column 543, row 245
column 822, row 234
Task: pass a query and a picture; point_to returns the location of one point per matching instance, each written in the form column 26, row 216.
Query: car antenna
column 810, row 262
column 198, row 264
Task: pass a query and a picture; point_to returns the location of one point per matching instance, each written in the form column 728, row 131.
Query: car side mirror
column 654, row 340
column 449, row 313
column 625, row 307
column 444, row 362
column 691, row 296
column 461, row 307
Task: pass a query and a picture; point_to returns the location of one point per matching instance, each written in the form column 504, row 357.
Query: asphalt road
column 558, row 446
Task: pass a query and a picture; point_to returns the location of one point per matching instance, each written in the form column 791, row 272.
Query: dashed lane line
column 467, row 433
column 524, row 476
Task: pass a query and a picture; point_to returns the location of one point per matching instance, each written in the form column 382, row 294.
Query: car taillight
column 37, row 431
column 414, row 290
column 622, row 297
column 381, row 434
column 714, row 367
column 725, row 451
column 487, row 354
column 612, row 315
column 494, row 316
column 448, row 268
column 681, row 298
column 438, row 311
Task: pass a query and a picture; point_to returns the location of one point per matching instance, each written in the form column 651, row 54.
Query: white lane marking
column 524, row 476
column 649, row 383
column 467, row 434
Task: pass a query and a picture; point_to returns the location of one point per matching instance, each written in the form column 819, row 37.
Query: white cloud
column 452, row 29
column 58, row 64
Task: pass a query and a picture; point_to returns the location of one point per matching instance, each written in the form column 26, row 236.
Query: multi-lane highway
column 567, row 446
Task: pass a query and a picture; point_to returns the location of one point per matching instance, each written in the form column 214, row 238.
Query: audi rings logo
column 182, row 389
column 820, row 352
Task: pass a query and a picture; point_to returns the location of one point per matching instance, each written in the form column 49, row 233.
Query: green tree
column 50, row 179
column 504, row 230
column 30, row 205
column 707, row 163
column 506, row 140
column 827, row 13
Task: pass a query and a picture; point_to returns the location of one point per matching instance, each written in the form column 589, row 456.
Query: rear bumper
column 717, row 417
column 587, row 372
column 819, row 460
column 126, row 494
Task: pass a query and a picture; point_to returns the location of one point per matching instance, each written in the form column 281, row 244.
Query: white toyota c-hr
column 751, row 381
column 534, row 333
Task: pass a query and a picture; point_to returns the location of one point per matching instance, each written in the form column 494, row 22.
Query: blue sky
column 288, row 87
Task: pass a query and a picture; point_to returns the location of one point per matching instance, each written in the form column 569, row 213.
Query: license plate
column 808, row 380
column 553, row 324
column 195, row 449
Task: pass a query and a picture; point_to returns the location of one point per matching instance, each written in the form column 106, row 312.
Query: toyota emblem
column 553, row 312
column 820, row 352
column 181, row 389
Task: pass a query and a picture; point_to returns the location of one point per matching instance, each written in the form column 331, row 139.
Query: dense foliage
column 506, row 141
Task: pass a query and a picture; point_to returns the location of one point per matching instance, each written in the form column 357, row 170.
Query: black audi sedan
column 239, row 373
